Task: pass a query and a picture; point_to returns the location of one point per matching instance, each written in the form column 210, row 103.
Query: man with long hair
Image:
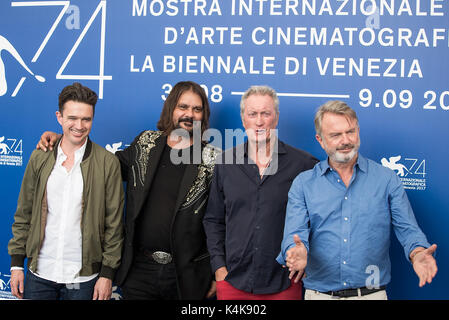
column 165, row 254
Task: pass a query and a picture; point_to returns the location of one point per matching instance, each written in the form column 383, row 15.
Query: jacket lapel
column 153, row 161
column 188, row 178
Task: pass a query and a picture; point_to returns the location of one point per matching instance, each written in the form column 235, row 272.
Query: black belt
column 160, row 257
column 346, row 293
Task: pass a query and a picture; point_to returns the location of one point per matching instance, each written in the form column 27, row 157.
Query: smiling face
column 76, row 122
column 339, row 137
column 259, row 117
column 189, row 108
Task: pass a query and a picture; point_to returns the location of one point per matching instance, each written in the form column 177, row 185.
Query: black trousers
column 149, row 280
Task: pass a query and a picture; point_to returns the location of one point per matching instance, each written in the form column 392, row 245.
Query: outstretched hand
column 296, row 259
column 425, row 265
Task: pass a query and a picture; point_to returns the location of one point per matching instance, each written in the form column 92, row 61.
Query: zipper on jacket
column 134, row 175
column 200, row 206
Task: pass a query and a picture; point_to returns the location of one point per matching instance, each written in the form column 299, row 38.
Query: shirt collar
column 361, row 163
column 280, row 148
column 79, row 153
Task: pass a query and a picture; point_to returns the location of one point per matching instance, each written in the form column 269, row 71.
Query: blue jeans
column 37, row 288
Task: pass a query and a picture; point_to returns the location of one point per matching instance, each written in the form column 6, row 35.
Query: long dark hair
column 165, row 122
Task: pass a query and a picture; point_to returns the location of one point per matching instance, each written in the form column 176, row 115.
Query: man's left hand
column 425, row 265
column 103, row 289
column 212, row 290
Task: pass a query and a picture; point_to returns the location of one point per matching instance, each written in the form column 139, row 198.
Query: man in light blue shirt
column 339, row 217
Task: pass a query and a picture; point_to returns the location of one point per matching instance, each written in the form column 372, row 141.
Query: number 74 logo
column 403, row 170
column 101, row 8
column 416, row 167
column 10, row 145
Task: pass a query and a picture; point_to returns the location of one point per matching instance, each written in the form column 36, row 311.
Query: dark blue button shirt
column 245, row 217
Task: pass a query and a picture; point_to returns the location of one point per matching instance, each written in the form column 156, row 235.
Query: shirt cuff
column 217, row 262
column 280, row 259
column 422, row 245
column 16, row 268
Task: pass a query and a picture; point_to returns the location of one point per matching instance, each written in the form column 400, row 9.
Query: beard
column 188, row 128
column 339, row 157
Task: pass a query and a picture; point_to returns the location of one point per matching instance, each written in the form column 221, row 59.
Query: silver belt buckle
column 161, row 257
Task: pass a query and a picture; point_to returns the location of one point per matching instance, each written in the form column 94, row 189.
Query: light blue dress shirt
column 347, row 230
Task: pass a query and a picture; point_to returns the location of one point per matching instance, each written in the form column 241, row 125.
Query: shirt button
column 344, row 262
column 346, row 198
column 345, row 284
column 346, row 218
column 345, row 240
column 338, row 180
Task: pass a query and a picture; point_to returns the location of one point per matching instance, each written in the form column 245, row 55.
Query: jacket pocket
column 201, row 257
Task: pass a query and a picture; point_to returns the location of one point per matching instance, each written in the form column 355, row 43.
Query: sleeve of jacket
column 22, row 216
column 214, row 222
column 113, row 228
column 123, row 157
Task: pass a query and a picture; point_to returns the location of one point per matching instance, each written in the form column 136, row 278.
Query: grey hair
column 262, row 91
column 336, row 107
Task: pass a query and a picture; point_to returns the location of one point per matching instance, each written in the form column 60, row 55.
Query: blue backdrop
column 387, row 59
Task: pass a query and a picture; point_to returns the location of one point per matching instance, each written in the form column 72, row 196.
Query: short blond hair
column 261, row 91
column 336, row 107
